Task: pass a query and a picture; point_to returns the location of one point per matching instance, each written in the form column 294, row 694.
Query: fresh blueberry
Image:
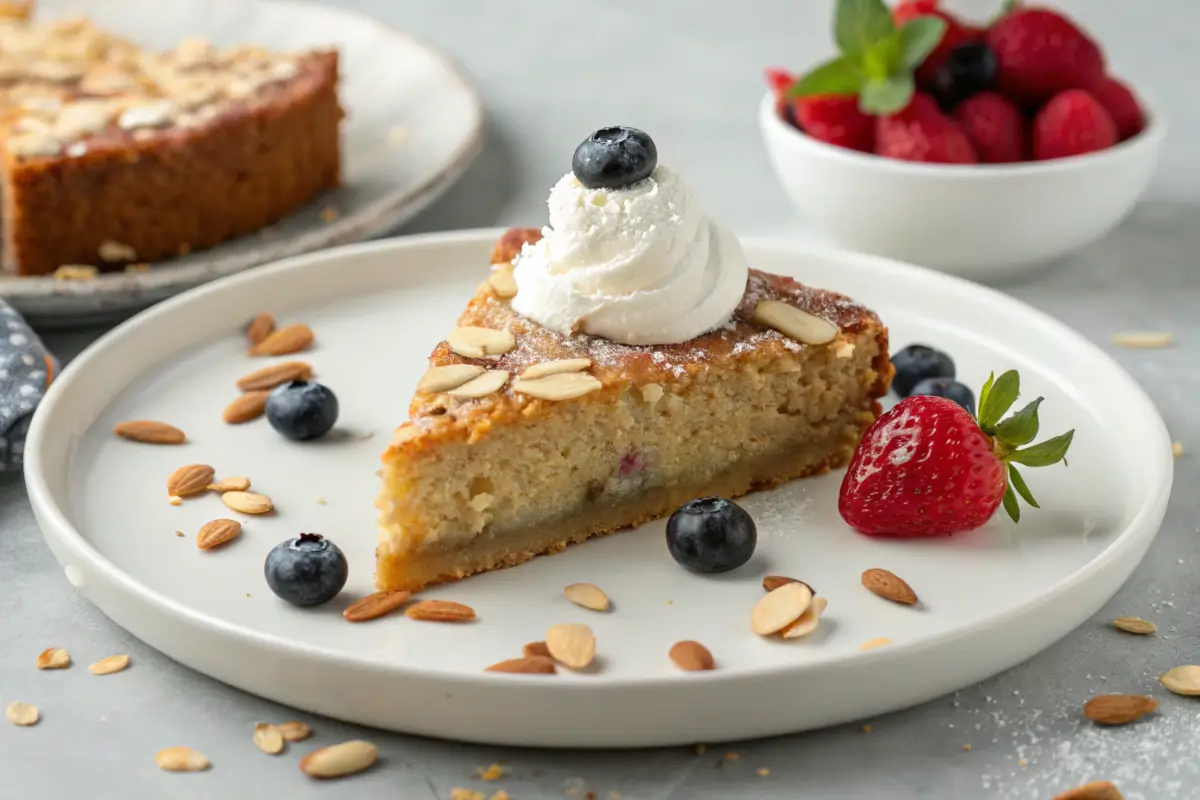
column 306, row 571
column 711, row 534
column 917, row 362
column 949, row 389
column 614, row 157
column 302, row 410
column 969, row 69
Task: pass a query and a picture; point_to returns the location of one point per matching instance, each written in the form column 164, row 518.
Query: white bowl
column 983, row 222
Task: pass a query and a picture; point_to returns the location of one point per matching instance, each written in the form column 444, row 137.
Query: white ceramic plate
column 414, row 123
column 990, row 599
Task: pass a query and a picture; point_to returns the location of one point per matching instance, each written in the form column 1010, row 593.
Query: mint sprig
column 877, row 58
column 1011, row 434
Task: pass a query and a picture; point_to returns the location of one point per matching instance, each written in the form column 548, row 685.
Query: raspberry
column 994, row 126
column 956, row 34
column 1040, row 53
column 1122, row 104
column 836, row 120
column 921, row 132
column 1071, row 124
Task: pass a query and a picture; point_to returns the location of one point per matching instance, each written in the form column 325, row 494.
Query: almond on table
column 150, row 432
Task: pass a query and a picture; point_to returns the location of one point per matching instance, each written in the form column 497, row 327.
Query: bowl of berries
column 983, row 150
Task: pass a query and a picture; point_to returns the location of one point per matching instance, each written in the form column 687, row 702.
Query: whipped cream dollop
column 639, row 265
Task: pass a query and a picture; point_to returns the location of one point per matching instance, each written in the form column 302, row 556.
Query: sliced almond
column 489, row 382
column 1118, row 709
column 374, row 606
column 474, row 342
column 109, row 665
column 779, row 608
column 284, row 341
column 1096, row 790
column 235, row 483
column 259, row 328
column 339, row 760
column 53, row 658
column 772, row 582
column 246, row 407
column 561, row 386
column 247, row 502
column 217, row 532
column 530, row 665
column 1182, row 680
column 808, row 620
column 1142, row 340
column 268, row 738
column 440, row 611
column 587, row 595
column 181, row 759
column 294, row 731
column 275, row 374
column 794, row 323
column 1135, row 625
column 572, row 645
column 536, row 649
column 189, row 480
column 558, row 367
column 450, row 376
column 149, row 432
column 691, row 656
column 888, row 586
column 502, row 281
column 22, row 714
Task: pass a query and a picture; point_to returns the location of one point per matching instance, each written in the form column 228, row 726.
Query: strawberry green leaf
column 983, row 394
column 1022, row 427
column 859, row 24
column 1011, row 505
column 840, row 76
column 886, row 96
column 1000, row 398
column 919, row 36
column 1015, row 481
column 1048, row 452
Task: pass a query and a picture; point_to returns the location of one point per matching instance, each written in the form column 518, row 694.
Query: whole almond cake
column 610, row 367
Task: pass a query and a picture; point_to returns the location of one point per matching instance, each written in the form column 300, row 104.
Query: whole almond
column 889, row 586
column 1096, row 790
column 572, row 645
column 217, row 532
column 772, row 582
column 294, row 731
column 53, row 658
column 1182, row 680
column 1118, row 709
column 275, row 374
column 180, row 759
column 780, row 607
column 246, row 407
column 1135, row 625
column 339, row 760
column 268, row 738
column 375, row 605
column 247, row 502
column 149, row 432
column 109, row 665
column 259, row 328
column 587, row 595
column 440, row 611
column 691, row 656
column 530, row 665
column 234, row 483
column 536, row 649
column 22, row 714
column 189, row 480
column 284, row 341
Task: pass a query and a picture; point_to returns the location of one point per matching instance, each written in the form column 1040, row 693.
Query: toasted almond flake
column 691, row 656
column 889, row 586
column 536, row 649
column 587, row 595
column 22, row 714
column 794, row 323
column 489, row 382
column 1182, row 680
column 1118, row 709
column 374, row 606
column 247, row 502
column 339, row 760
column 149, row 431
column 190, row 479
column 53, row 658
column 572, row 645
column 772, row 582
column 234, row 483
column 109, row 665
column 294, row 731
column 246, row 407
column 271, row 376
column 217, row 532
column 808, row 620
column 268, row 738
column 1177, row 449
column 871, row 644
column 502, row 281
column 259, row 328
column 76, row 272
column 181, row 759
column 529, row 665
column 558, row 367
column 449, row 376
column 284, row 341
column 440, row 611
column 1142, row 340
column 115, row 251
column 561, row 386
column 474, row 342
column 779, row 608
column 1096, row 790
column 1135, row 625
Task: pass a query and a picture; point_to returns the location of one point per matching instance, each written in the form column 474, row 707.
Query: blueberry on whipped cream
column 636, row 260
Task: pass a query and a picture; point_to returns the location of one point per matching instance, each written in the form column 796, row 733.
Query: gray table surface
column 551, row 72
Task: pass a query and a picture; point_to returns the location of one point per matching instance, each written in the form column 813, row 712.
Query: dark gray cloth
column 26, row 369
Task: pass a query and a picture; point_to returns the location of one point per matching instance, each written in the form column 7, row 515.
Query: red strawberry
column 1071, row 124
column 1122, row 105
column 837, row 120
column 1040, row 53
column 956, row 34
column 927, row 468
column 994, row 126
column 921, row 132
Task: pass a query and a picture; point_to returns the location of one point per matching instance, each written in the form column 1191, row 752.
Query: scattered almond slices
column 247, row 502
column 149, row 431
column 1118, row 709
column 1183, row 680
column 794, row 323
column 294, row 730
column 259, row 328
column 558, row 386
column 528, row 665
column 489, row 382
column 190, row 479
column 109, row 665
column 587, row 595
column 1142, row 340
column 536, row 649
column 53, row 658
column 268, row 738
column 236, row 483
column 562, row 365
column 181, row 759
column 217, row 532
column 474, row 342
column 449, row 376
column 284, row 341
column 339, row 760
column 808, row 620
column 502, row 281
column 22, row 714
column 1135, row 625
column 1096, row 790
column 374, row 606
column 691, row 656
column 572, row 645
column 440, row 611
column 889, row 586
column 246, row 407
column 780, row 607
column 271, row 376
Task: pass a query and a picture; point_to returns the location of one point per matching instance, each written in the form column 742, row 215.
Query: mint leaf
column 983, row 394
column 859, row 24
column 1000, row 398
column 1048, row 452
column 839, row 76
column 919, row 36
column 887, row 96
column 1015, row 481
column 1022, row 427
column 885, row 58
column 1011, row 505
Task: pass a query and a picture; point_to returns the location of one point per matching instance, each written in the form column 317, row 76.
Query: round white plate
column 413, row 124
column 991, row 598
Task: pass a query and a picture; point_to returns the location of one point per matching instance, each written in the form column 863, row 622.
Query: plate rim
column 1142, row 527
